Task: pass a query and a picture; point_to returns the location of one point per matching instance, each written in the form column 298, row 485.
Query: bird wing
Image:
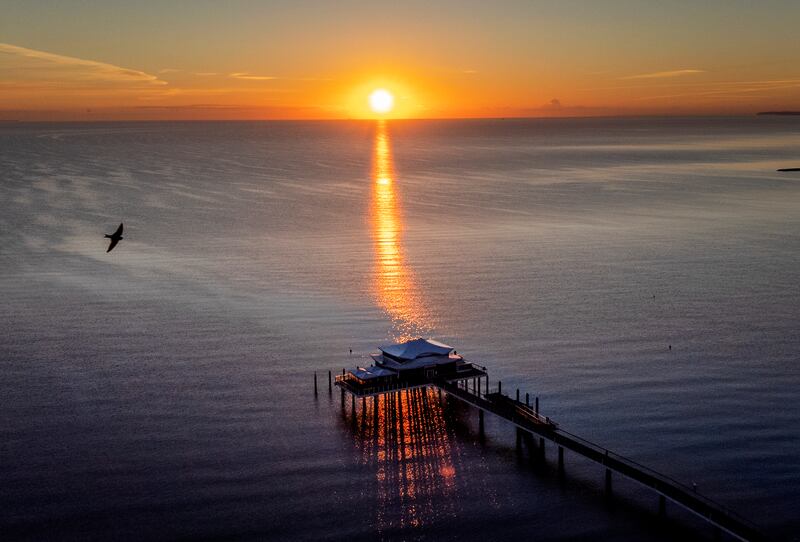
column 113, row 243
column 119, row 230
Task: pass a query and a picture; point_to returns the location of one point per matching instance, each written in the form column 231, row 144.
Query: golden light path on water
column 404, row 435
column 395, row 287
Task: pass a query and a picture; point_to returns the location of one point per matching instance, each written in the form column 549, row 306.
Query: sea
column 639, row 276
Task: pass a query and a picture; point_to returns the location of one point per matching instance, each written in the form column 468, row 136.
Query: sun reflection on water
column 395, row 286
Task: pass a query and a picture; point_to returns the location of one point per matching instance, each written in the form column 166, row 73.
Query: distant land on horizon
column 778, row 113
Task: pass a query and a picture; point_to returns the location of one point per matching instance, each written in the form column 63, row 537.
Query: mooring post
column 315, row 383
column 536, row 408
column 608, row 482
column 330, row 384
column 527, row 399
column 561, row 459
column 662, row 505
column 517, row 395
column 499, row 387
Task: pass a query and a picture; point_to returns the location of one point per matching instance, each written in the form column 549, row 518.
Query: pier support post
column 499, row 387
column 561, row 460
column 330, row 385
column 517, row 394
column 315, row 383
column 536, row 407
column 662, row 506
column 527, row 399
column 608, row 482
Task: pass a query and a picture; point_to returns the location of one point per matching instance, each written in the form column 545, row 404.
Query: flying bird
column 115, row 237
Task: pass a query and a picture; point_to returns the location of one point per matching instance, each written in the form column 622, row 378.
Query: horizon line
column 365, row 119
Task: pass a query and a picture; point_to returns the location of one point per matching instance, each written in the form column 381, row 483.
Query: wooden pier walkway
column 528, row 420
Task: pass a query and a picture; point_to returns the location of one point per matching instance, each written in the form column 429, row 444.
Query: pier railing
column 677, row 492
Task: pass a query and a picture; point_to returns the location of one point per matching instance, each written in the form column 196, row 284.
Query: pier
column 470, row 385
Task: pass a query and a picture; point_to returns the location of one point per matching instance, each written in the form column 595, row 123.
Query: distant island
column 778, row 113
column 789, row 169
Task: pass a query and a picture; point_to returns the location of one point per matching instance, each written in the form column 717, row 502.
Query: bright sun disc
column 381, row 101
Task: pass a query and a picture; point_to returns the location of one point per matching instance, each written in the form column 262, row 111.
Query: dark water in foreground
column 164, row 390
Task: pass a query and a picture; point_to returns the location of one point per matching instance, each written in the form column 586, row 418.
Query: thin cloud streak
column 707, row 84
column 662, row 75
column 251, row 77
column 78, row 68
column 733, row 92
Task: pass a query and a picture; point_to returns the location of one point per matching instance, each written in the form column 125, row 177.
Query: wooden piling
column 330, row 383
column 315, row 383
column 527, row 399
column 536, row 408
column 499, row 387
column 517, row 395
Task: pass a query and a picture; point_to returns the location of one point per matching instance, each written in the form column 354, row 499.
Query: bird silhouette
column 115, row 237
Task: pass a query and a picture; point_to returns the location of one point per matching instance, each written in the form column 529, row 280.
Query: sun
column 381, row 101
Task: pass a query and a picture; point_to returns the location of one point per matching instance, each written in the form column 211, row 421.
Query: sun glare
column 381, row 101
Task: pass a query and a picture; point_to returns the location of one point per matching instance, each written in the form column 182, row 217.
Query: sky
column 112, row 60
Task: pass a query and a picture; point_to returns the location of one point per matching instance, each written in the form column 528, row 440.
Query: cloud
column 555, row 103
column 662, row 75
column 27, row 66
column 251, row 77
column 470, row 72
column 206, row 74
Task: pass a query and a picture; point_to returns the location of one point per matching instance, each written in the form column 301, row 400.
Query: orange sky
column 279, row 60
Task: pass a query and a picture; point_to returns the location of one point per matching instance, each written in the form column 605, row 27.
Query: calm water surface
column 165, row 390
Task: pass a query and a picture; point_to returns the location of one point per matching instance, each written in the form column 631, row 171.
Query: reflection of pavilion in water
column 405, row 437
column 395, row 287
